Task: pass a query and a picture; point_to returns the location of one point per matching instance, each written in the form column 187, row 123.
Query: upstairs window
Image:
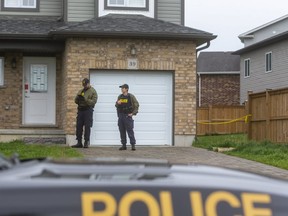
column 126, row 4
column 22, row 5
column 268, row 62
column 247, row 68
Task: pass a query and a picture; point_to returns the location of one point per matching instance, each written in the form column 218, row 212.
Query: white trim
column 1, row 71
column 126, row 4
column 20, row 4
column 102, row 11
column 219, row 72
column 243, row 35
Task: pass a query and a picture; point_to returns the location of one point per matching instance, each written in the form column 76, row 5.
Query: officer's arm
column 76, row 100
column 116, row 103
column 93, row 100
column 135, row 105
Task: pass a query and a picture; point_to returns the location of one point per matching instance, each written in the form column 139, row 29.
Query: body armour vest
column 126, row 104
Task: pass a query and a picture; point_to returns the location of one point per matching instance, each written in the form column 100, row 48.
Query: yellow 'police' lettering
column 196, row 203
column 166, row 203
column 138, row 196
column 217, row 197
column 164, row 207
column 249, row 199
column 124, row 100
column 90, row 198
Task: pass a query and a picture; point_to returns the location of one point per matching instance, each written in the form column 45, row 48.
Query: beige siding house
column 47, row 49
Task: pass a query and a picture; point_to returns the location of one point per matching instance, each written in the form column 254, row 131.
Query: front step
column 44, row 140
column 48, row 136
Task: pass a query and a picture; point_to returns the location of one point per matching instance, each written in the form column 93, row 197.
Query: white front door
column 154, row 91
column 39, row 91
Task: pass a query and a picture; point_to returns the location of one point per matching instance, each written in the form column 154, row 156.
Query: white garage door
column 153, row 90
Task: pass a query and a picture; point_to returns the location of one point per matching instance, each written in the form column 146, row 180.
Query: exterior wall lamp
column 13, row 63
column 133, row 50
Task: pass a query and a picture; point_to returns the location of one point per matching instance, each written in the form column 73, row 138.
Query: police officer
column 127, row 106
column 86, row 99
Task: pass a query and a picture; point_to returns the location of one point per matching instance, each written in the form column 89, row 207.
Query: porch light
column 13, row 63
column 133, row 50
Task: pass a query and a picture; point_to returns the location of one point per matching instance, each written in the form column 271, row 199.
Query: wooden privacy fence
column 269, row 119
column 221, row 120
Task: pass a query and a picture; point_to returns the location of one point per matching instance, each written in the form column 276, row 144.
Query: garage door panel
column 147, row 127
column 107, row 126
column 153, row 99
column 151, row 117
column 153, row 90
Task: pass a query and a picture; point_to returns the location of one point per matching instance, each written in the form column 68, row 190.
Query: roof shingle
column 132, row 26
column 218, row 62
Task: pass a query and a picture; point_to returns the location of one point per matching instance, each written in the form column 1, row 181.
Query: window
column 1, row 71
column 126, row 4
column 22, row 5
column 268, row 62
column 247, row 68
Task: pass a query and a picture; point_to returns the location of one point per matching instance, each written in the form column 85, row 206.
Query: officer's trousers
column 84, row 119
column 126, row 125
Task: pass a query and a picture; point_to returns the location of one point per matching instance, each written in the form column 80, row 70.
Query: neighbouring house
column 218, row 79
column 48, row 47
column 264, row 58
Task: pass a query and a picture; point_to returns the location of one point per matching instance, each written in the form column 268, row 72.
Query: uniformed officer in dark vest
column 127, row 106
column 86, row 99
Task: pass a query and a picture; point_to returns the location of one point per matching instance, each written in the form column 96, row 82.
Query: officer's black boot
column 133, row 148
column 78, row 145
column 123, row 147
column 86, row 144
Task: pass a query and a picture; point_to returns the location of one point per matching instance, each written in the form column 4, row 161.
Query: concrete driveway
column 187, row 155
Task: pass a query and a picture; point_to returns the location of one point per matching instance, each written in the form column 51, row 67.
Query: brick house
column 218, row 79
column 48, row 47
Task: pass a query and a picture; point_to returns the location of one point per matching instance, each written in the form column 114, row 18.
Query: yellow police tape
column 245, row 118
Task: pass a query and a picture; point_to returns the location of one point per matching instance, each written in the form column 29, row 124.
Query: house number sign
column 132, row 63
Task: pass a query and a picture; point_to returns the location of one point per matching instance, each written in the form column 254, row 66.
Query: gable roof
column 218, row 62
column 268, row 41
column 132, row 26
column 112, row 25
column 248, row 33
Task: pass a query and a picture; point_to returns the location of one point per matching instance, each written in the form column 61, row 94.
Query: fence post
column 249, row 105
column 268, row 108
column 210, row 119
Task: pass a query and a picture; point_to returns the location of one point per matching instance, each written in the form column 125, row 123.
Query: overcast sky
column 229, row 18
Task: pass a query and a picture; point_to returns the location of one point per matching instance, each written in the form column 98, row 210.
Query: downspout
column 199, row 86
column 198, row 50
column 199, row 90
column 204, row 47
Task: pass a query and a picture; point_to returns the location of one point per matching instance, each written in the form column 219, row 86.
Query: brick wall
column 81, row 55
column 11, row 93
column 219, row 90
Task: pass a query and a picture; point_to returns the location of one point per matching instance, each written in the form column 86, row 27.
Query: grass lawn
column 26, row 151
column 264, row 152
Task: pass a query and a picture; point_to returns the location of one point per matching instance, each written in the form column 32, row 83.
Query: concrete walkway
column 187, row 155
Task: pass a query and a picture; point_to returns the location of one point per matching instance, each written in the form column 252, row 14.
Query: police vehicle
column 133, row 187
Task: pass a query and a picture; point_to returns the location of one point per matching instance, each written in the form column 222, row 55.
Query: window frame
column 109, row 7
column 268, row 62
column 247, row 74
column 1, row 71
column 20, row 9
